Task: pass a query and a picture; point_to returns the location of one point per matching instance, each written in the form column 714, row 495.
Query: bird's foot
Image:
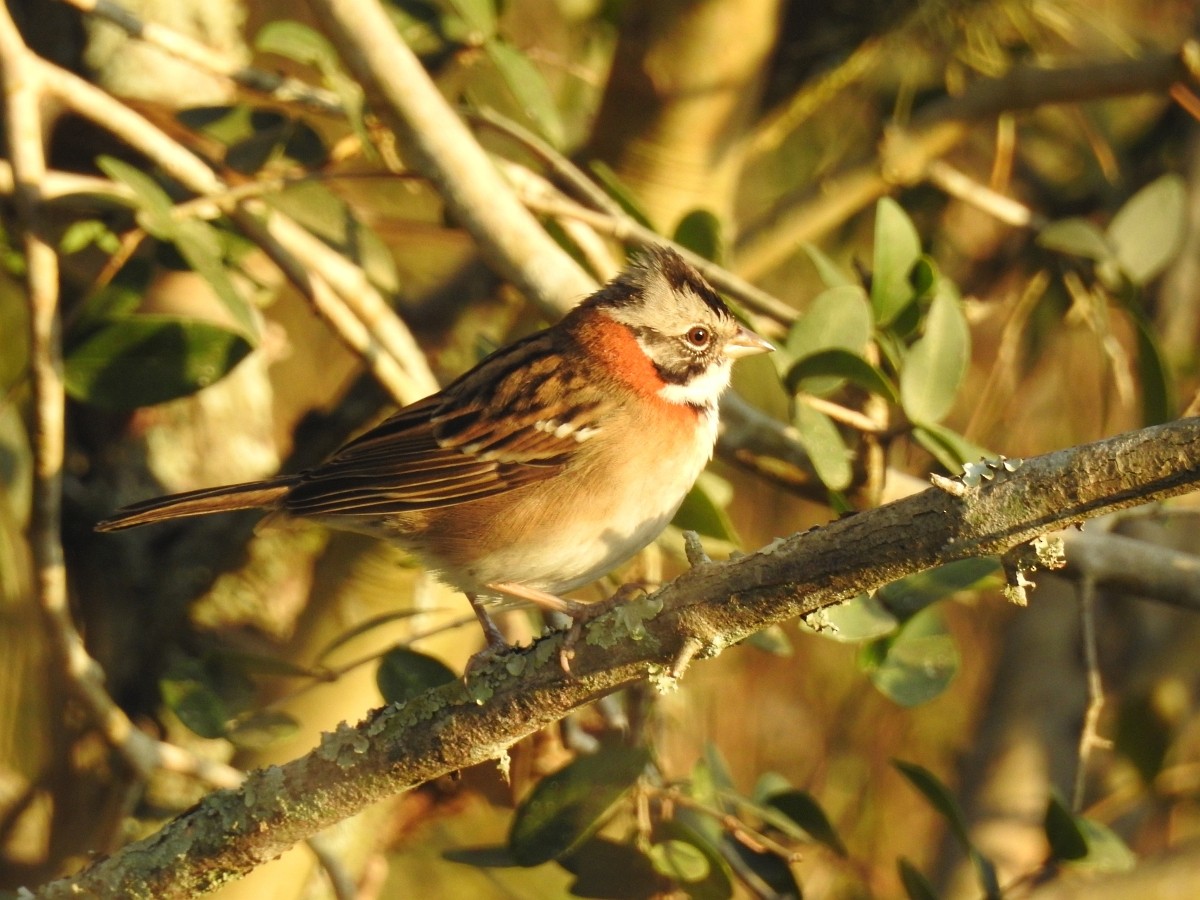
column 586, row 612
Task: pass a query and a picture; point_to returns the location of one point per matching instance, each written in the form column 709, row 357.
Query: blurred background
column 978, row 224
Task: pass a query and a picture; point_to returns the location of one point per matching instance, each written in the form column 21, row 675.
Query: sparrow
column 543, row 468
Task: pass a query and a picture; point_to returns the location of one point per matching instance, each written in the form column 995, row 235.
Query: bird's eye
column 698, row 336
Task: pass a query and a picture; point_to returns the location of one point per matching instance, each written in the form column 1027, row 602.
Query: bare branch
column 906, row 153
column 24, row 87
column 337, row 288
column 188, row 49
column 508, row 235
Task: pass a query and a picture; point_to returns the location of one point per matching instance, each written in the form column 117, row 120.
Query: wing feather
column 480, row 437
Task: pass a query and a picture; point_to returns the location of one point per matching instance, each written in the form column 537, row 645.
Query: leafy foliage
column 568, row 807
column 902, row 339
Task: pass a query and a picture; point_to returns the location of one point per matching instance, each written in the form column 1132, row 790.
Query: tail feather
column 249, row 495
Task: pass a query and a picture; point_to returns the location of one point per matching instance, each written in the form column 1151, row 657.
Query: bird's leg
column 495, row 639
column 580, row 613
column 496, row 642
column 622, row 595
column 540, row 599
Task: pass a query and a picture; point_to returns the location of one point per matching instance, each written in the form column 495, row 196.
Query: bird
column 543, row 468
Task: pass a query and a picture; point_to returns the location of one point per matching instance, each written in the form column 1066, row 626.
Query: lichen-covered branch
column 708, row 609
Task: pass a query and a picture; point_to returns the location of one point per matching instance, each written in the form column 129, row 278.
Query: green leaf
column 188, row 690
column 937, row 363
column 948, row 447
column 923, row 277
column 814, row 373
column 803, row 809
column 1147, row 232
column 196, row 241
column 680, row 861
column 619, row 191
column 916, row 885
column 772, row 639
column 911, row 594
column 16, row 480
column 118, row 299
column 269, row 135
column 224, row 123
column 484, row 856
column 296, row 42
column 943, row 802
column 711, row 777
column 692, row 859
column 769, row 784
column 138, row 360
column 307, row 46
column 421, row 26
column 200, row 245
column 156, row 212
column 1078, row 237
column 700, row 232
column 566, row 808
column 473, row 24
column 529, row 93
column 837, row 318
column 1146, row 729
column 1158, row 398
column 861, row 618
column 829, row 272
column 704, row 509
column 83, row 233
column 262, row 729
column 607, row 870
column 897, row 249
column 1107, row 853
column 334, row 221
column 1063, row 831
column 404, row 674
column 770, row 868
column 824, row 445
column 914, row 664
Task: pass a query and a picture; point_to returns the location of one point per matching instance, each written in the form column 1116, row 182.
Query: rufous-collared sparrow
column 547, row 465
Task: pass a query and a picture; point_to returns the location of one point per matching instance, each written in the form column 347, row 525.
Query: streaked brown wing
column 469, row 442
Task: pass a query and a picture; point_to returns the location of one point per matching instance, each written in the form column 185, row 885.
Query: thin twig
column 402, row 92
column 843, row 414
column 340, row 880
column 23, row 90
column 534, row 195
column 188, row 49
column 1089, row 738
column 566, row 172
column 381, row 339
column 1005, row 209
column 1001, row 378
column 905, row 154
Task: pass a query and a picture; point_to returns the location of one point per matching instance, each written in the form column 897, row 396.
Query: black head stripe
column 681, row 276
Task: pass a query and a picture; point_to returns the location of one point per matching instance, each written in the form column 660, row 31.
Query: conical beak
column 746, row 343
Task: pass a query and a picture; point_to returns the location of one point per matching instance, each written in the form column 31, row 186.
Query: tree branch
column 708, row 609
column 906, row 153
column 510, row 238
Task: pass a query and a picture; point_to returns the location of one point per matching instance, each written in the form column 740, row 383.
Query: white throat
column 703, row 390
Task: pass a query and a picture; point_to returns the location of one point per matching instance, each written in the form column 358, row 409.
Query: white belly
column 597, row 531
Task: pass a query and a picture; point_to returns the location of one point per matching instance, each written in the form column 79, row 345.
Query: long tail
column 249, row 495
